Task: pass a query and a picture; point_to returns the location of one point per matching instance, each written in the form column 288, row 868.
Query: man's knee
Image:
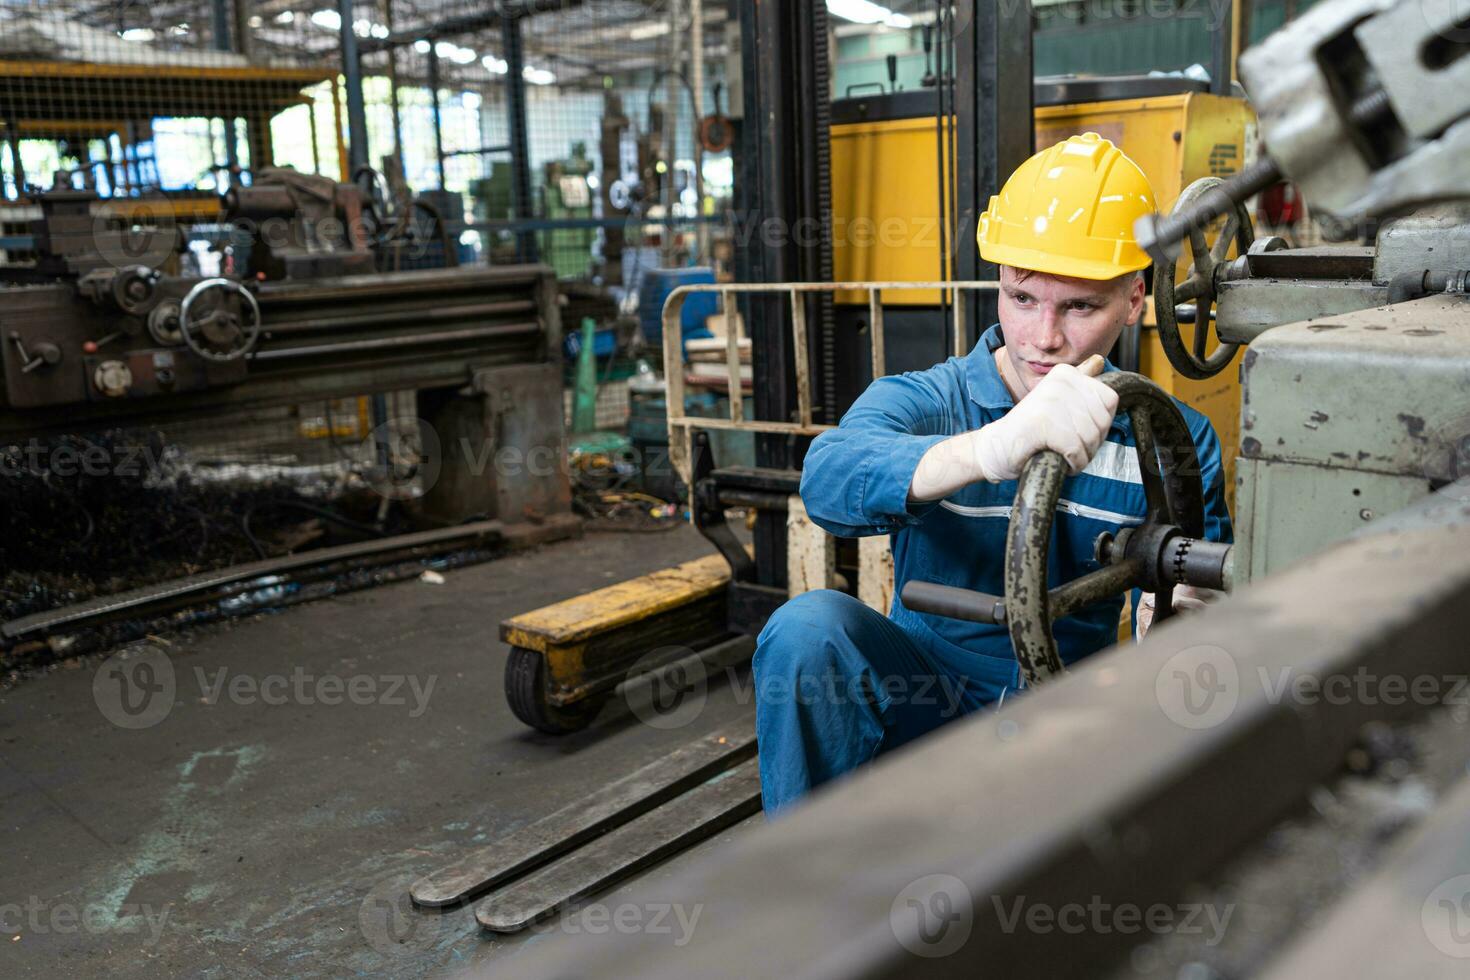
column 808, row 636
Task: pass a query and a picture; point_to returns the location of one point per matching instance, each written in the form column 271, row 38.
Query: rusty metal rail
column 682, row 426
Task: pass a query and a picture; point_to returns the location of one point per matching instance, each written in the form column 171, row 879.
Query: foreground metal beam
column 1408, row 919
column 985, row 848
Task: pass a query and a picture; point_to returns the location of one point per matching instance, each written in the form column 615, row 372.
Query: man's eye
column 1021, row 297
column 1083, row 306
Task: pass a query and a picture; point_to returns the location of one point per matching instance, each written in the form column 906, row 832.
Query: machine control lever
column 44, row 355
column 956, row 603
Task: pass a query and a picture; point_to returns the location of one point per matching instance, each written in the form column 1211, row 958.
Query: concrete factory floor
column 239, row 837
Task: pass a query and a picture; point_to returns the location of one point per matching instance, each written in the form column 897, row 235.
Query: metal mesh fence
column 159, row 110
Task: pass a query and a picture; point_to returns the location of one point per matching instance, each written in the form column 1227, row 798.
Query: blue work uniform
column 837, row 682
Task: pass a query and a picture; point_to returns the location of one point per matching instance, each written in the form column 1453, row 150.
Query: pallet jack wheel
column 525, row 691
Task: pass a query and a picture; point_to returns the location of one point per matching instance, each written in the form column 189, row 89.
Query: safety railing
column 682, row 427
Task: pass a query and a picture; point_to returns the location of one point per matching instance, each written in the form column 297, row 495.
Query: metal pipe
column 12, row 128
column 393, row 94
column 756, row 499
column 355, row 321
column 478, row 151
column 696, row 83
column 668, row 150
column 1222, row 50
column 520, row 163
column 357, row 145
column 1107, row 583
column 222, row 18
column 398, row 342
column 435, row 113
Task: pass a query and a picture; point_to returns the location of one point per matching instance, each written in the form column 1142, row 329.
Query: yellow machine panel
column 885, row 207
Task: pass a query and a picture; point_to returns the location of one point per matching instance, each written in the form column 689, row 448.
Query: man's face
column 1049, row 320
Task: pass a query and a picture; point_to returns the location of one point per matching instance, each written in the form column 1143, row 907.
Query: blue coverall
column 836, row 682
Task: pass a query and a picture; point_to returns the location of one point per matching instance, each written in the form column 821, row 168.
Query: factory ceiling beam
column 469, row 23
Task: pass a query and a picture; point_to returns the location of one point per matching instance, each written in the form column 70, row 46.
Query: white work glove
column 1069, row 411
column 1187, row 598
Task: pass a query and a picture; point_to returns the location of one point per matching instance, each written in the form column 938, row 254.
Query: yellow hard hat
column 1069, row 211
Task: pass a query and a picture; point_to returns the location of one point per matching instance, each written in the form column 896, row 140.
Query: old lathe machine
column 106, row 330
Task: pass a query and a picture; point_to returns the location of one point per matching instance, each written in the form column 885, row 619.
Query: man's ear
column 1136, row 293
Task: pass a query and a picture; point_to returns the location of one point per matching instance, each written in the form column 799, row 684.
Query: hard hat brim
column 1035, row 260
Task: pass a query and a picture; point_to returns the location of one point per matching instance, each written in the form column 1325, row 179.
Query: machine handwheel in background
column 525, row 691
column 218, row 335
column 1199, row 287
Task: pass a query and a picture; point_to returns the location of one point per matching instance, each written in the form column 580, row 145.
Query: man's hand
column 1187, row 598
column 1069, row 411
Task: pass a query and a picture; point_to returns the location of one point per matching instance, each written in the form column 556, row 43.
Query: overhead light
column 644, row 32
column 494, row 65
column 329, row 19
column 284, row 17
column 421, row 46
column 538, row 76
column 867, row 12
column 137, row 34
column 450, row 51
column 179, row 30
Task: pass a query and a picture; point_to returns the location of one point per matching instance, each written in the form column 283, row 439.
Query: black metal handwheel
column 219, row 333
column 526, row 693
column 1164, row 551
column 1199, row 288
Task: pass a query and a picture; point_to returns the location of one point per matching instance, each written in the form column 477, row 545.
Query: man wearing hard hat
column 932, row 457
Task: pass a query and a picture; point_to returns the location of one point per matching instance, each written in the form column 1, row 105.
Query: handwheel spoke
column 1188, row 289
column 1199, row 249
column 1227, row 237
column 1201, row 329
column 1104, row 583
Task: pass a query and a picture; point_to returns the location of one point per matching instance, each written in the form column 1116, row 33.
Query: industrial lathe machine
column 106, row 330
